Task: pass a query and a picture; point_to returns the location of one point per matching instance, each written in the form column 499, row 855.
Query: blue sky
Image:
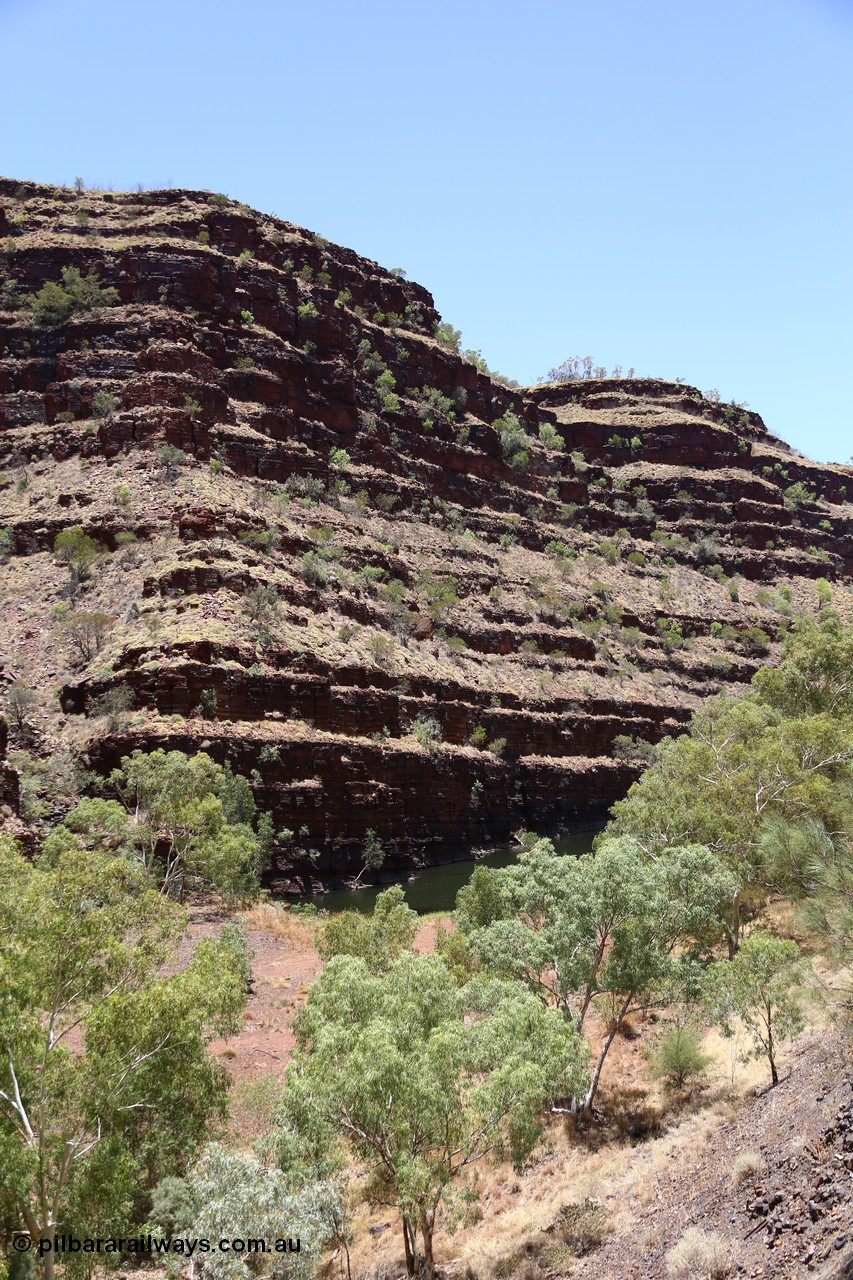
column 666, row 185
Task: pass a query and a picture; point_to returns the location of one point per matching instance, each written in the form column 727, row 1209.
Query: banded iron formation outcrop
column 398, row 594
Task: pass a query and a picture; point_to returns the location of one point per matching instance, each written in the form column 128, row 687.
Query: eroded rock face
column 400, row 595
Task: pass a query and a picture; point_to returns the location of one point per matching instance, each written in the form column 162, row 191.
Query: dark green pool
column 435, row 888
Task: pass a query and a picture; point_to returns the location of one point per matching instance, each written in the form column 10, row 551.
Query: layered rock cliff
column 397, row 593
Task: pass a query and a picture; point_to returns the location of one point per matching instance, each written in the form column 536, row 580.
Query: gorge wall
column 398, row 594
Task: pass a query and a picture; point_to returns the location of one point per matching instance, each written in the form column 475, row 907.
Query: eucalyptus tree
column 186, row 819
column 419, row 1080
column 762, row 988
column 105, row 1079
column 784, row 750
column 611, row 929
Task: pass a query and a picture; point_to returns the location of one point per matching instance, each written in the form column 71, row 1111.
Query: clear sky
column 666, row 184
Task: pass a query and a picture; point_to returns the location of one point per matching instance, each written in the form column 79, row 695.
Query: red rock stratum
column 398, row 594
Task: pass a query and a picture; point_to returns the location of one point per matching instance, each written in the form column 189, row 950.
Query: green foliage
column 187, row 821
column 447, row 335
column 374, row 854
column 263, row 540
column 488, row 896
column 171, row 458
column 105, row 1082
column 314, row 570
column 20, row 700
column 550, row 437
column 632, row 750
column 263, row 608
column 813, row 677
column 372, row 574
column 677, row 1056
column 381, row 648
column 611, row 928
column 785, row 749
column 378, row 939
column 112, row 703
column 387, row 399
column 55, row 303
column 760, row 985
column 78, row 550
column 427, row 731
column 104, row 404
column 823, row 591
column 305, row 488
column 231, row 1194
column 172, row 1204
column 207, row 704
column 419, row 1080
column 434, row 404
column 670, row 633
column 515, row 442
column 438, row 593
column 797, row 493
column 814, row 865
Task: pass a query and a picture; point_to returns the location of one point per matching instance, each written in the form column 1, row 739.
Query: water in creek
column 435, row 888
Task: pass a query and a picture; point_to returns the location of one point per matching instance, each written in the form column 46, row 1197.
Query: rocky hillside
column 303, row 531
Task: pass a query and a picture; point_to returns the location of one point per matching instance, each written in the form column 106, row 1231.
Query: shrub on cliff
column 86, row 631
column 427, row 732
column 515, row 442
column 447, row 335
column 55, row 303
column 550, row 437
column 104, row 404
column 170, row 458
column 20, row 699
column 112, row 704
column 263, row 607
column 78, row 550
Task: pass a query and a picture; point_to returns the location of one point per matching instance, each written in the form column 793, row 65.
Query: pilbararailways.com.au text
column 185, row 1245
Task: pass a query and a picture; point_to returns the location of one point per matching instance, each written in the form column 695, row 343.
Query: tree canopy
column 187, row 820
column 784, row 750
column 105, row 1082
column 420, row 1079
column 611, row 928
